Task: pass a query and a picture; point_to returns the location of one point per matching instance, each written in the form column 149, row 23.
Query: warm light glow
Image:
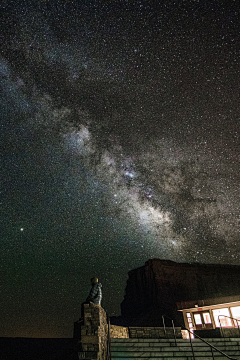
column 222, row 321
column 190, row 324
column 206, row 317
column 197, row 318
column 236, row 314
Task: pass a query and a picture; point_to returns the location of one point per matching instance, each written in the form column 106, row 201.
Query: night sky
column 119, row 143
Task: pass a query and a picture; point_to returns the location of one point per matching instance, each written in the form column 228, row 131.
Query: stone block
column 96, row 347
column 94, row 333
column 95, row 323
column 90, row 332
column 90, row 339
column 88, row 355
column 82, row 355
column 99, row 331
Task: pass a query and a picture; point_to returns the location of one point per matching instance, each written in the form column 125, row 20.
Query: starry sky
column 119, row 143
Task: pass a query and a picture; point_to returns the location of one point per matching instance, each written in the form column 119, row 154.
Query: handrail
column 164, row 327
column 212, row 347
column 229, row 318
column 199, row 337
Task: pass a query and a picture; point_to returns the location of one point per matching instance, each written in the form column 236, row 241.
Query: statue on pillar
column 95, row 292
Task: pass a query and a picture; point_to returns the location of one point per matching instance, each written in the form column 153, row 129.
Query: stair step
column 176, row 351
column 165, row 349
column 172, row 340
column 188, row 356
column 171, row 348
column 176, row 358
column 176, row 348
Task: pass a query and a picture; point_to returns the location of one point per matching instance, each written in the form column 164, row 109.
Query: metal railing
column 195, row 335
column 231, row 326
column 164, row 327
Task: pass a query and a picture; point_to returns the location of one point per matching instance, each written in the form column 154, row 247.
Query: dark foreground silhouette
column 37, row 349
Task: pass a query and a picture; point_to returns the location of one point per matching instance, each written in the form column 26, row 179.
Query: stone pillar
column 93, row 333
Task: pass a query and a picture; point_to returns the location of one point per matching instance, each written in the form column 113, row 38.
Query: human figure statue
column 95, row 293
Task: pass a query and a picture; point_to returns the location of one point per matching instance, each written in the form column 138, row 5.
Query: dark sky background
column 119, row 143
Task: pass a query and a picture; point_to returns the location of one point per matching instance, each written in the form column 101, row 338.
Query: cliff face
column 155, row 289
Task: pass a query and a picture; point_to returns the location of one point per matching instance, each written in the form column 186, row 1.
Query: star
column 117, row 149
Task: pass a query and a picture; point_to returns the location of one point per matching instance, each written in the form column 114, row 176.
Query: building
column 209, row 314
column 207, row 295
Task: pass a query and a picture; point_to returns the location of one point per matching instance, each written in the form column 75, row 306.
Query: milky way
column 121, row 143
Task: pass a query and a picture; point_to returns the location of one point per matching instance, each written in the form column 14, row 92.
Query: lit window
column 222, row 321
column 198, row 320
column 190, row 325
column 236, row 314
column 207, row 319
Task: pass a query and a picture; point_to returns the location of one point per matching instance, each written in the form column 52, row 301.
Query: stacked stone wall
column 119, row 332
column 93, row 343
column 141, row 332
column 94, row 333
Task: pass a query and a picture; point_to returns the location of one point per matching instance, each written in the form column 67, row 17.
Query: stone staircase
column 166, row 349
